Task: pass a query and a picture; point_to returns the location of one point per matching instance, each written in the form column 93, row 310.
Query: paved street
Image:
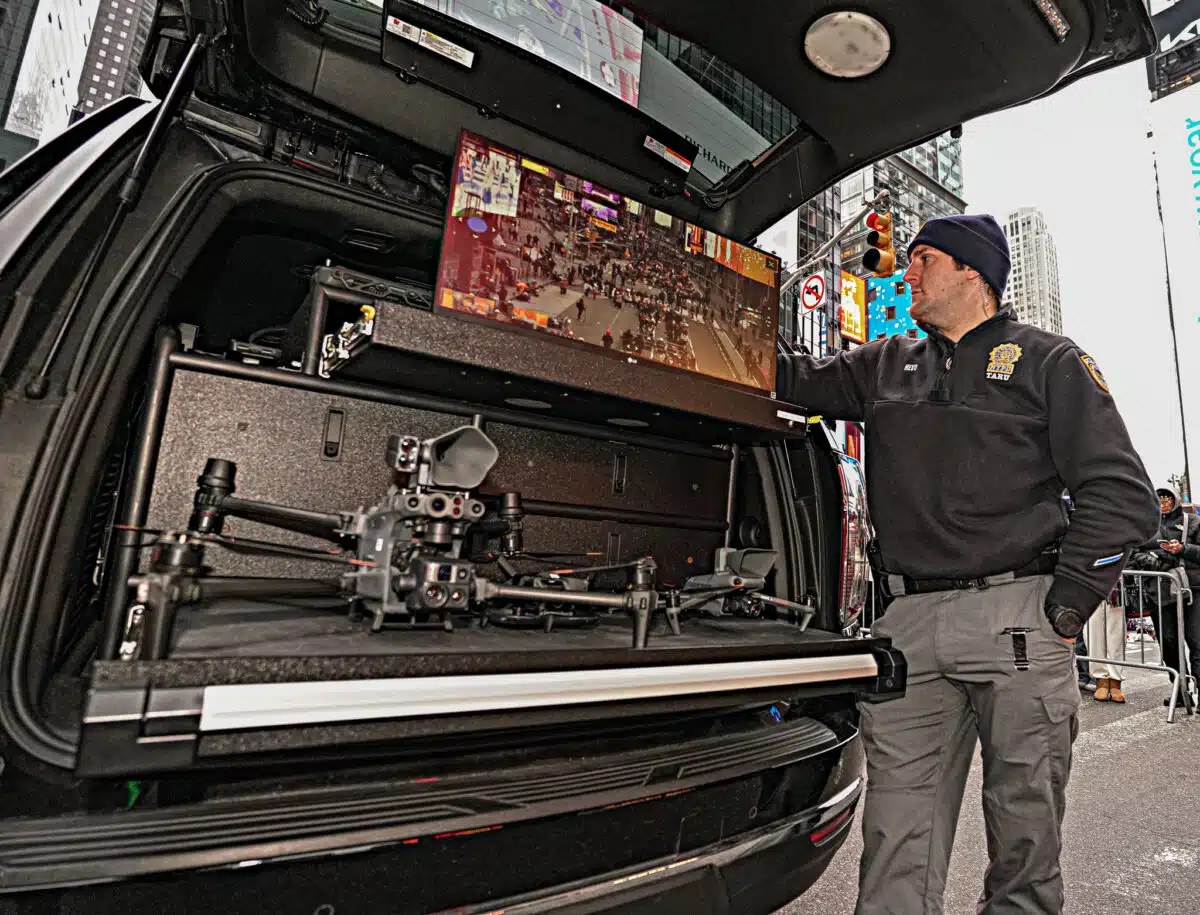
column 1132, row 823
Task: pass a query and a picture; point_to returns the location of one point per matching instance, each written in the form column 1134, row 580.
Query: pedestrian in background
column 973, row 434
column 1176, row 545
column 1106, row 639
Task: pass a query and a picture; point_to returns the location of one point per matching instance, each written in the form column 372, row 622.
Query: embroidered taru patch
column 1094, row 370
column 1003, row 361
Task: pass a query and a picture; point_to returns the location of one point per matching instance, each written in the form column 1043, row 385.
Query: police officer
column 972, row 435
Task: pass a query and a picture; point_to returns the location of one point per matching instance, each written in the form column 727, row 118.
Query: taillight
column 856, row 535
column 822, row 835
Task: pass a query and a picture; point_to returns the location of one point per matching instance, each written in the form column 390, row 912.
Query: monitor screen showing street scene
column 533, row 247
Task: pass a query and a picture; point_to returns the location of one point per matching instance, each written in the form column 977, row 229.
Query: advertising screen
column 525, row 248
column 852, row 308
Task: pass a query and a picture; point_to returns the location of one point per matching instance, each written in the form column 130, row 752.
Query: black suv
column 327, row 587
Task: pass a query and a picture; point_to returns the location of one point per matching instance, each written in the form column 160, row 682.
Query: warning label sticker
column 404, row 29
column 670, row 155
column 431, row 42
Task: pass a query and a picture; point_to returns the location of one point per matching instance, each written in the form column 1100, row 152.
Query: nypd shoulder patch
column 1094, row 370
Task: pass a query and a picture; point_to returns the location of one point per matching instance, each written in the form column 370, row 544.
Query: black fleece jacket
column 1174, row 525
column 969, row 449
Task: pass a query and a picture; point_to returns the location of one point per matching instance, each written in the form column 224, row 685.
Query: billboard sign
column 1176, row 139
column 852, row 308
column 1176, row 23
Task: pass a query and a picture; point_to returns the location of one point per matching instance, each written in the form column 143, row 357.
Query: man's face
column 1165, row 503
column 941, row 292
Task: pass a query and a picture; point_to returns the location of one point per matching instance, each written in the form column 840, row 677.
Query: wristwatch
column 1065, row 621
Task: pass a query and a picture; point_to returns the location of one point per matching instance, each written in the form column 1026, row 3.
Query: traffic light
column 880, row 258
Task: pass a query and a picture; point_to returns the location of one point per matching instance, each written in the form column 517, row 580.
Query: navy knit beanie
column 977, row 241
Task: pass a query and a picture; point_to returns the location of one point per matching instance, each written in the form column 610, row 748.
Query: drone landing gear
column 409, row 622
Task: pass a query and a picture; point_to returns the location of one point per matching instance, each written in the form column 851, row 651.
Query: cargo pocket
column 1061, row 702
column 1061, row 705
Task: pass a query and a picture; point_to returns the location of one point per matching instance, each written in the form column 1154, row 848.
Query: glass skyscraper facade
column 110, row 69
column 46, row 88
column 924, row 182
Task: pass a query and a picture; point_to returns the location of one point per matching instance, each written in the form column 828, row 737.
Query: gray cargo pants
column 964, row 684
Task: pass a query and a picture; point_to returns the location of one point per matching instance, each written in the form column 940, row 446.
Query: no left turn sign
column 812, row 291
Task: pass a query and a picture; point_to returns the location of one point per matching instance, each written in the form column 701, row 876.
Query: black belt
column 1043, row 565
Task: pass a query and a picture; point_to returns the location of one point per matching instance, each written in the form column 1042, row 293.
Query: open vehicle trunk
column 233, row 673
column 257, row 336
column 260, row 722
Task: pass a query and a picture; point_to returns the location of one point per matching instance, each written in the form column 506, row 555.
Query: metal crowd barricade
column 1136, row 583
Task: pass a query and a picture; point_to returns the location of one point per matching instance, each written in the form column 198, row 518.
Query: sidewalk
column 1132, row 828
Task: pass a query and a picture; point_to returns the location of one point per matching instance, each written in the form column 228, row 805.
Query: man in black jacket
column 972, row 436
column 1176, row 544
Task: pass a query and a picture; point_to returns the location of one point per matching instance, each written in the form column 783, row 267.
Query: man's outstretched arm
column 838, row 387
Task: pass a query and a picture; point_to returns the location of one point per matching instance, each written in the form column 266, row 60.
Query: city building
column 795, row 239
column 731, row 119
column 888, row 302
column 110, row 68
column 17, row 21
column 925, row 181
column 1033, row 290
column 45, row 90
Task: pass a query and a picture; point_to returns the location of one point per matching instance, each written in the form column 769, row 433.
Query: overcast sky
column 1082, row 157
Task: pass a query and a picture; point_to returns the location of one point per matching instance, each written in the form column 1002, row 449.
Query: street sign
column 812, row 293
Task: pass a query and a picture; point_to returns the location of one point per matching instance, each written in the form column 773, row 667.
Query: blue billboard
column 888, row 301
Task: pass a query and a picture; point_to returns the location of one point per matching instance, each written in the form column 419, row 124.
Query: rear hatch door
column 728, row 120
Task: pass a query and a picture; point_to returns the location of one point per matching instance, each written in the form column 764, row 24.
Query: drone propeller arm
column 318, row 524
column 215, row 588
column 490, row 591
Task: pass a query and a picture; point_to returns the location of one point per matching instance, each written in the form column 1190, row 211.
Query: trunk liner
column 262, row 629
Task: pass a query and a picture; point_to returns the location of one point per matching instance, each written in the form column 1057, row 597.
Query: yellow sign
column 535, row 167
column 464, row 301
column 600, row 223
column 529, row 316
column 852, row 308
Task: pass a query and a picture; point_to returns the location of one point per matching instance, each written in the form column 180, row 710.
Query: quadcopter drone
column 417, row 557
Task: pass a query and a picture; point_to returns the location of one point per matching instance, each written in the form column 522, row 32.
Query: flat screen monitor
column 532, row 247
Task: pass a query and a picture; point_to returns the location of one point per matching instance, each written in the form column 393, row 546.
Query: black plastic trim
column 82, row 849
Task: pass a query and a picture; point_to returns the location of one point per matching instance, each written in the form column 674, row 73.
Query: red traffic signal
column 880, row 258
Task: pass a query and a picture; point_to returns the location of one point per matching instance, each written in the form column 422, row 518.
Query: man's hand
column 1174, row 547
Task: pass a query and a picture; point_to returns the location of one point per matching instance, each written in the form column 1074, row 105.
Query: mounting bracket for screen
column 510, row 83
